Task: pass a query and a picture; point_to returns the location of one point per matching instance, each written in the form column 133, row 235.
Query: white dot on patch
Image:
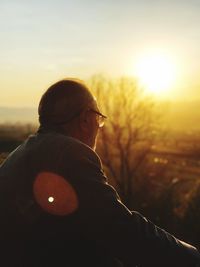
column 50, row 199
column 54, row 194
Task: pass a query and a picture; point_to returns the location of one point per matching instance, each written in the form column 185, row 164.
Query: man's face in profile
column 96, row 121
column 93, row 129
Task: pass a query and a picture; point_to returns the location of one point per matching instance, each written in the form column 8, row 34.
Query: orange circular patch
column 55, row 194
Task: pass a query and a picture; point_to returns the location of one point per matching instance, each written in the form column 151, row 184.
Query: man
column 57, row 208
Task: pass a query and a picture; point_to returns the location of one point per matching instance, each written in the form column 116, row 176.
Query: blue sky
column 42, row 41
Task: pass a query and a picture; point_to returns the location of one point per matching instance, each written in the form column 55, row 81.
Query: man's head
column 69, row 106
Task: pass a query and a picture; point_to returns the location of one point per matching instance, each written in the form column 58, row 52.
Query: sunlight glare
column 156, row 72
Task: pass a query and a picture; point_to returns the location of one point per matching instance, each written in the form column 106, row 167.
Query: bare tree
column 129, row 132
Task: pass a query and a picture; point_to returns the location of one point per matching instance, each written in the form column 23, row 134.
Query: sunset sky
column 43, row 41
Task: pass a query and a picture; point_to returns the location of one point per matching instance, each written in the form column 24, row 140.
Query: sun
column 156, row 73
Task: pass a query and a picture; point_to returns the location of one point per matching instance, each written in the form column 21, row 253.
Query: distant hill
column 18, row 115
column 184, row 116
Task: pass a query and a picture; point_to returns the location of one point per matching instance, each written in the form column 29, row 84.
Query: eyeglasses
column 101, row 117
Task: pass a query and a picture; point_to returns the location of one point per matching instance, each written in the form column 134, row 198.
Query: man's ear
column 84, row 121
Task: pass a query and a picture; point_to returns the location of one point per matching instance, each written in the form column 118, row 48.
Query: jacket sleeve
column 127, row 235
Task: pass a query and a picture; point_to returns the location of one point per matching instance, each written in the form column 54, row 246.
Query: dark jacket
column 98, row 230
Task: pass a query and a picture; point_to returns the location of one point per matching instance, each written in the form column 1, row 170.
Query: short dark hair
column 62, row 101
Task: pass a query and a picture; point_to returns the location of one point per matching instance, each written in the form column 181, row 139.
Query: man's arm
column 127, row 235
column 131, row 237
